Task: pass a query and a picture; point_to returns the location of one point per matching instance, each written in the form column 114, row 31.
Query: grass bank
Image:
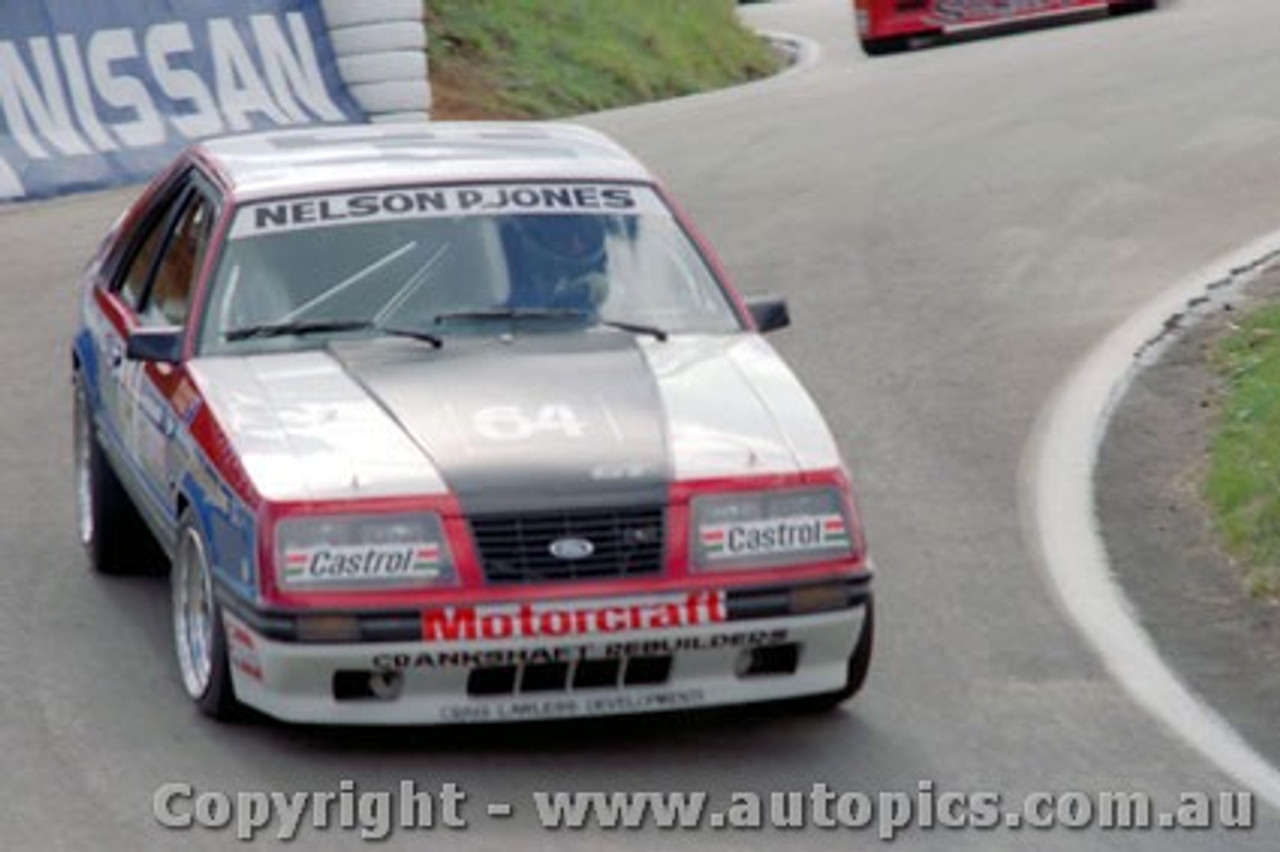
column 1243, row 481
column 551, row 58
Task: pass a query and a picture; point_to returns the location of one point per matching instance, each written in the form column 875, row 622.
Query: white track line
column 1058, row 506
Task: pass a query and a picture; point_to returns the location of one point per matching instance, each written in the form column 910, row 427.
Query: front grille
column 519, row 548
column 584, row 674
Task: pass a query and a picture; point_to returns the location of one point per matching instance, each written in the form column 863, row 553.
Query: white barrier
column 382, row 67
column 391, row 95
column 348, row 13
column 381, row 47
column 401, row 117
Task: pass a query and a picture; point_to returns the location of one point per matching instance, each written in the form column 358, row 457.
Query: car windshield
column 484, row 259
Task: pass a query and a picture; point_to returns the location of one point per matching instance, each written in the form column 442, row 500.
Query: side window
column 170, row 297
column 134, row 281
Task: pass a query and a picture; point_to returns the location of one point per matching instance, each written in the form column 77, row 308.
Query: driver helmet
column 562, row 259
column 565, row 241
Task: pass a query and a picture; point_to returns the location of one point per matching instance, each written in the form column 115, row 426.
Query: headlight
column 770, row 529
column 345, row 552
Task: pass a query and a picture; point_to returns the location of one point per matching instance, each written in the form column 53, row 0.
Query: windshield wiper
column 294, row 329
column 638, row 328
column 411, row 333
column 511, row 314
column 550, row 313
column 309, row 327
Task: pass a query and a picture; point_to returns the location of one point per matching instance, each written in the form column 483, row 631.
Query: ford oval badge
column 572, row 548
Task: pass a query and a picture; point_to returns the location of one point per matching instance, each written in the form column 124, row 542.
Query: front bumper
column 471, row 680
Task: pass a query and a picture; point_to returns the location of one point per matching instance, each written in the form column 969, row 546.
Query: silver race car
column 457, row 423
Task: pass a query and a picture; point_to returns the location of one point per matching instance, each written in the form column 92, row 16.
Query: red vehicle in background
column 887, row 26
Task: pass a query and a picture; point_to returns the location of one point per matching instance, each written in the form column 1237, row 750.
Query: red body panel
column 472, row 587
column 879, row 19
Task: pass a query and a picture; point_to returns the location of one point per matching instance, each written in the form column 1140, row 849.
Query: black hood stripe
column 539, row 421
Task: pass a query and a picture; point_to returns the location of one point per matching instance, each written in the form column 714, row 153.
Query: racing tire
column 115, row 539
column 884, row 46
column 1128, row 8
column 859, row 667
column 199, row 635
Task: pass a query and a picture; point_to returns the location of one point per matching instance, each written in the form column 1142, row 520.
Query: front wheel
column 113, row 534
column 198, row 632
column 885, row 46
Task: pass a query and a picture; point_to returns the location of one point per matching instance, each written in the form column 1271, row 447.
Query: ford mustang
column 457, row 423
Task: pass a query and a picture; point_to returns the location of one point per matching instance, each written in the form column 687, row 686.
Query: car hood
column 535, row 421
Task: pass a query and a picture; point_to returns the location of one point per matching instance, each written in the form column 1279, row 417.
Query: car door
column 131, row 409
column 123, row 279
column 165, row 303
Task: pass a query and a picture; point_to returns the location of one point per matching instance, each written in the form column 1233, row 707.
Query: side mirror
column 161, row 345
column 769, row 313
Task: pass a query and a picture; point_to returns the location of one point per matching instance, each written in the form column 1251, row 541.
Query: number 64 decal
column 516, row 423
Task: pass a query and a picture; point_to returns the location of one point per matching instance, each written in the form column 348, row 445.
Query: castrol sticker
column 347, row 565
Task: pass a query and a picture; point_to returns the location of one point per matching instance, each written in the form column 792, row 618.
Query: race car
column 888, row 26
column 457, row 422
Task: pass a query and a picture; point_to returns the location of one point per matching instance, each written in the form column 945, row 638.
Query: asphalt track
column 956, row 229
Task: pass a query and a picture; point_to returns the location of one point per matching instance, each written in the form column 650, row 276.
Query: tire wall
column 381, row 46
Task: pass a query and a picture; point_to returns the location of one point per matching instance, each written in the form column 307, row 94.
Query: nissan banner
column 96, row 94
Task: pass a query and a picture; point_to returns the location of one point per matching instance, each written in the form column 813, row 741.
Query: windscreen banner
column 98, row 93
